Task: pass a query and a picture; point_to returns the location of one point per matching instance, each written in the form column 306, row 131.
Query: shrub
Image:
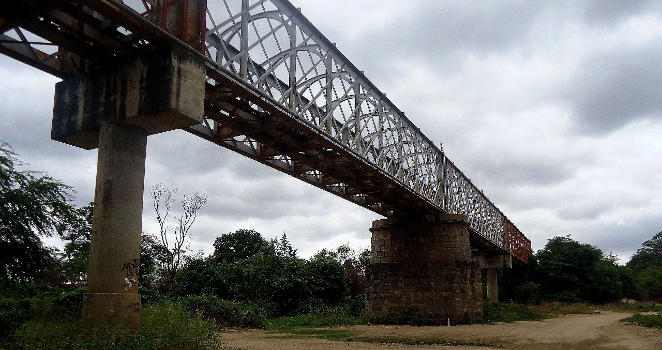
column 508, row 312
column 653, row 321
column 163, row 326
column 13, row 313
column 527, row 293
column 150, row 296
column 71, row 302
column 350, row 312
column 247, row 268
column 226, row 313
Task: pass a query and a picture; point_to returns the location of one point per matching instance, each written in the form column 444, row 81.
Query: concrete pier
column 115, row 248
column 492, row 285
column 115, row 108
column 491, row 265
column 422, row 272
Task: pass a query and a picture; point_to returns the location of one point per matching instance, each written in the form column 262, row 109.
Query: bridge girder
column 278, row 92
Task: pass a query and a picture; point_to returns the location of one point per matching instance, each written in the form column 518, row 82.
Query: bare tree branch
column 163, row 200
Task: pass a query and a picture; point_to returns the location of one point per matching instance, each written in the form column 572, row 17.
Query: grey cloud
column 626, row 238
column 608, row 12
column 443, row 27
column 584, row 211
column 443, row 33
column 617, row 87
column 510, row 169
column 183, row 153
column 271, row 205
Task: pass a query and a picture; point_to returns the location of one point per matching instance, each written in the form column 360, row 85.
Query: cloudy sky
column 553, row 108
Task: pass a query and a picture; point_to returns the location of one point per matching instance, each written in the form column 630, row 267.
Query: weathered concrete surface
column 115, row 247
column 115, row 109
column 158, row 92
column 491, row 265
column 492, row 285
column 422, row 272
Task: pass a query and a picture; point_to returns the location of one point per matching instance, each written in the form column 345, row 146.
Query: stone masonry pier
column 422, row 271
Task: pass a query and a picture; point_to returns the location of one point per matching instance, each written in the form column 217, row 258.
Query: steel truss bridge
column 277, row 91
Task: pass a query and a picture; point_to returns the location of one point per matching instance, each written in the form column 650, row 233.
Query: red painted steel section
column 186, row 20
column 515, row 242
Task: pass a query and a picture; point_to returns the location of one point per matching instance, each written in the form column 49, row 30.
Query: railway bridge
column 257, row 77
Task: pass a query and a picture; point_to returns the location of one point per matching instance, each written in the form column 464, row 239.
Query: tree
column 247, row 267
column 163, row 200
column 77, row 247
column 649, row 255
column 32, row 204
column 571, row 271
column 239, row 245
column 646, row 269
column 152, row 253
column 355, row 266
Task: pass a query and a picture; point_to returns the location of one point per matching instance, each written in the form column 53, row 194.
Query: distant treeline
column 567, row 270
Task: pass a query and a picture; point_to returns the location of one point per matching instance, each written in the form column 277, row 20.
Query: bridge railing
column 272, row 47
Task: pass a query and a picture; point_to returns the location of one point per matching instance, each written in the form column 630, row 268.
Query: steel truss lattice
column 282, row 65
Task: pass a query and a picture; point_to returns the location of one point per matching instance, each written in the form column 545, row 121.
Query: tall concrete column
column 115, row 247
column 422, row 272
column 492, row 284
column 114, row 108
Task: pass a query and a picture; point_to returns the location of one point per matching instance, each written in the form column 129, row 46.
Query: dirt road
column 595, row 331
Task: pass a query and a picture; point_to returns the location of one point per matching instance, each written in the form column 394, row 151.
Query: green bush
column 163, row 326
column 653, row 321
column 226, row 313
column 150, row 296
column 71, row 302
column 527, row 293
column 508, row 312
column 247, row 268
column 350, row 312
column 14, row 290
column 13, row 313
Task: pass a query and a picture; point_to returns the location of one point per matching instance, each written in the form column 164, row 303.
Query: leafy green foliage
column 247, row 268
column 226, row 313
column 163, row 326
column 13, row 313
column 31, row 205
column 527, row 293
column 239, row 245
column 508, row 312
column 646, row 269
column 567, row 270
column 152, row 255
column 649, row 255
column 77, row 247
column 341, row 315
column 653, row 321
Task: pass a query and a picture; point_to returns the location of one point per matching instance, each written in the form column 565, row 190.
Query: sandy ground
column 594, row 331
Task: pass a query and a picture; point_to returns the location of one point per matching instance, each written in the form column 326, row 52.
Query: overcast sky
column 553, row 108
